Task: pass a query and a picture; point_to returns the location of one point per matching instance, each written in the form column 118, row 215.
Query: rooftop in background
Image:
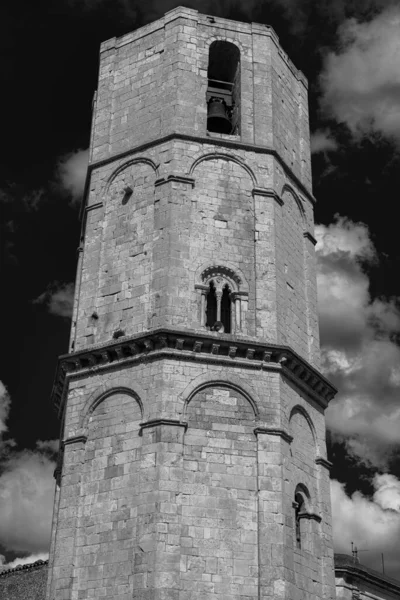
column 350, row 566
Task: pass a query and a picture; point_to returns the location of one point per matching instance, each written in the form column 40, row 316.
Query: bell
column 217, row 118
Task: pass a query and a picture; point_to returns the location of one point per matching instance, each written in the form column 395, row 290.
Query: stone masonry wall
column 168, row 513
column 152, row 82
column 180, row 468
column 143, row 253
column 303, row 470
column 221, row 515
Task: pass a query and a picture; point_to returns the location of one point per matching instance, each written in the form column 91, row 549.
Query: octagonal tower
column 193, row 460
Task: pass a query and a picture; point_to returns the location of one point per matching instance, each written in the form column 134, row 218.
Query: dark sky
column 48, row 66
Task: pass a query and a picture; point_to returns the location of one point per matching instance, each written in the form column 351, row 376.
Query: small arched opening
column 219, row 308
column 226, row 307
column 223, row 91
column 303, row 519
column 222, row 299
column 211, row 309
column 299, row 509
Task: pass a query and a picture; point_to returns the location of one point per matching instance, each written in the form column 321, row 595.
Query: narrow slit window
column 299, row 501
column 226, row 309
column 223, row 92
column 211, row 310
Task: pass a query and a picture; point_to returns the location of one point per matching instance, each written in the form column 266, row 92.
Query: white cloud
column 4, row 407
column 343, row 237
column 50, row 446
column 71, row 173
column 322, row 141
column 59, row 299
column 26, row 502
column 373, row 524
column 358, row 352
column 26, row 491
column 361, row 80
column 26, row 560
column 387, row 492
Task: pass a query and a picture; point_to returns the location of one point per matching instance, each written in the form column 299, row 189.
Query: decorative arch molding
column 304, row 515
column 126, row 165
column 299, row 409
column 218, row 271
column 227, row 157
column 223, row 38
column 211, row 280
column 105, row 391
column 288, row 188
column 206, row 270
column 208, row 380
column 309, row 501
column 303, row 491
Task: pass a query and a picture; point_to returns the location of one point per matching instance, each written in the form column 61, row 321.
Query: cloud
column 360, row 81
column 26, row 501
column 373, row 524
column 359, row 354
column 16, row 195
column 26, row 490
column 322, row 141
column 26, row 560
column 5, row 403
column 66, row 182
column 51, row 446
column 58, row 298
column 71, row 174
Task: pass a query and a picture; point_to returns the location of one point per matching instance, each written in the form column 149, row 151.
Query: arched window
column 223, row 299
column 299, row 509
column 211, row 310
column 304, row 519
column 219, row 308
column 226, row 306
column 223, row 92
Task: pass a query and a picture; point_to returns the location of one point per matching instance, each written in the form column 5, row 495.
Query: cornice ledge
column 162, row 421
column 275, row 431
column 320, row 460
column 190, row 345
column 268, row 193
column 93, row 206
column 310, row 237
column 310, row 516
column 175, row 177
column 204, row 140
column 76, row 439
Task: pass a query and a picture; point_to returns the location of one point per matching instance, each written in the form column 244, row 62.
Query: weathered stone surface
column 181, row 461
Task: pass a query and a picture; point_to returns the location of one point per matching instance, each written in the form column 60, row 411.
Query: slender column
column 219, row 298
column 311, row 299
column 203, row 309
column 267, row 253
column 203, row 290
column 160, row 527
column 237, row 311
column 62, row 572
column 233, row 313
column 272, row 448
column 53, row 540
column 324, row 529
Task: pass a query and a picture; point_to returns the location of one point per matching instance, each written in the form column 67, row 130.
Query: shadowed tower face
column 194, row 461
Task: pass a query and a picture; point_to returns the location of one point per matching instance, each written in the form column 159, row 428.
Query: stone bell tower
column 193, row 460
